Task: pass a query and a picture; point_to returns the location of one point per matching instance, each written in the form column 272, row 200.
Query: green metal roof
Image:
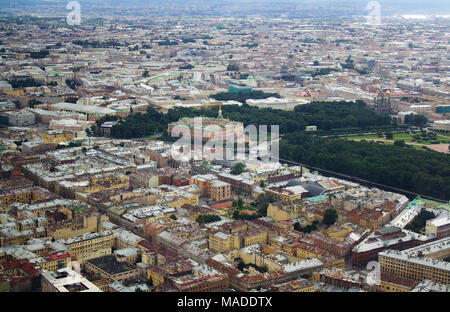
column 426, row 202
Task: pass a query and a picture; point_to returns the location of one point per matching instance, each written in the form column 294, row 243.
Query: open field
column 407, row 137
column 442, row 147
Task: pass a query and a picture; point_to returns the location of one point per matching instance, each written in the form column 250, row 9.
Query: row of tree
column 416, row 120
column 243, row 96
column 327, row 116
column 139, row 125
column 110, row 43
column 25, row 83
column 208, row 218
column 421, row 171
column 424, row 172
column 39, row 55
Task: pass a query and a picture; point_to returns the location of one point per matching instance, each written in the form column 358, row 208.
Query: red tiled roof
column 10, row 265
column 146, row 244
column 222, row 268
column 23, row 264
column 30, row 269
column 56, row 256
column 166, row 252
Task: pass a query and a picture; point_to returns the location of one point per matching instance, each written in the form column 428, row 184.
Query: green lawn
column 403, row 136
column 419, row 148
column 441, row 138
column 362, row 137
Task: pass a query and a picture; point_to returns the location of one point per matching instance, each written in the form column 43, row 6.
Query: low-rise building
column 66, row 280
column 88, row 246
column 390, row 237
column 212, row 187
column 418, row 263
column 299, row 285
column 21, row 118
column 109, row 267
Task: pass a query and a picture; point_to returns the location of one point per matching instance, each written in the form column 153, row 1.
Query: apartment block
column 109, row 267
column 88, row 246
column 418, row 263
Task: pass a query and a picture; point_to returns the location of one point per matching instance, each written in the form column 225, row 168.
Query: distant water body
column 419, row 16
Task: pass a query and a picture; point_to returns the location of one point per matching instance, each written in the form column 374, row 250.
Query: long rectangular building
column 418, row 263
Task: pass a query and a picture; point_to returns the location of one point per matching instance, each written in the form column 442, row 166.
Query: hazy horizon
column 249, row 6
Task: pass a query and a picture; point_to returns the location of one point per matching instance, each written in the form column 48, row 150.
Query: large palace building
column 209, row 128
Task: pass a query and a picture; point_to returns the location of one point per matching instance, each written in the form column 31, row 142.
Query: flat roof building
column 66, row 280
column 109, row 267
column 418, row 263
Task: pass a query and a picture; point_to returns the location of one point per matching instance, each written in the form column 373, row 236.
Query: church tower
column 383, row 101
column 220, row 112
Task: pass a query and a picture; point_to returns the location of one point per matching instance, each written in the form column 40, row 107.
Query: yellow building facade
column 221, row 242
column 82, row 250
column 415, row 270
column 281, row 213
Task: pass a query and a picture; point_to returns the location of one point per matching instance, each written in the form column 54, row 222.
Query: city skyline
column 242, row 148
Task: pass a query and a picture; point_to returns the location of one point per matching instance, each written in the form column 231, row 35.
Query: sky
column 397, row 6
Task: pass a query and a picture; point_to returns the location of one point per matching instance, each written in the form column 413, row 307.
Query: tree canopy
column 327, row 116
column 238, row 169
column 419, row 222
column 243, row 96
column 416, row 120
column 207, row 218
column 24, row 83
column 330, row 217
column 421, row 171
